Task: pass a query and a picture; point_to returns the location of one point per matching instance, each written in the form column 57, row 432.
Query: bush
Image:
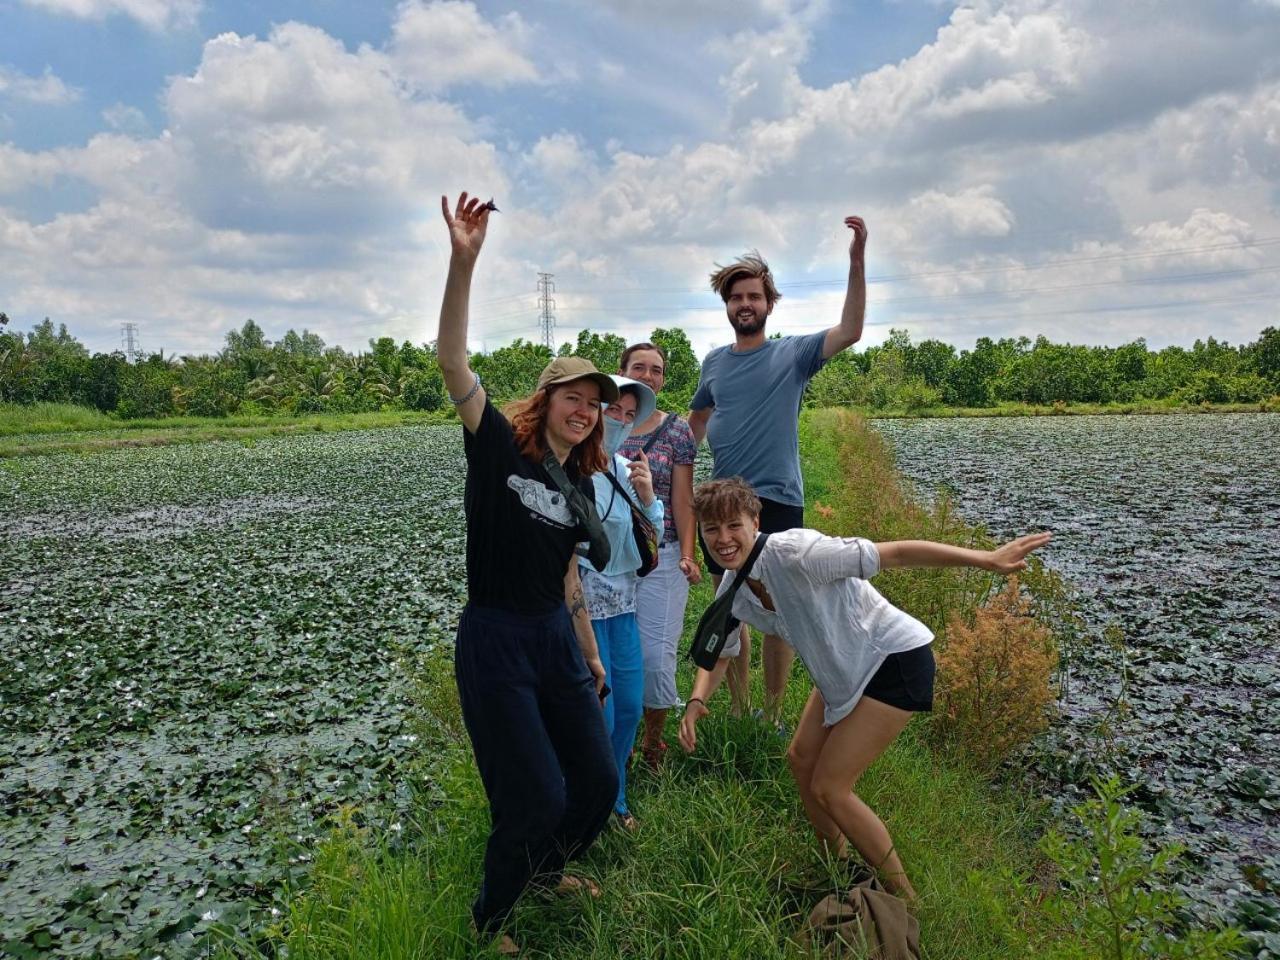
column 422, row 391
column 994, row 678
column 916, row 395
column 1249, row 388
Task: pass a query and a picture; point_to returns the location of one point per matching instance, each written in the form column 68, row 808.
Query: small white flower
column 209, row 916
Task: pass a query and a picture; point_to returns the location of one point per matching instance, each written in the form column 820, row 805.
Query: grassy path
column 724, row 865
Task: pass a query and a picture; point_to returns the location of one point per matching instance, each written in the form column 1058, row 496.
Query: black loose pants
column 538, row 733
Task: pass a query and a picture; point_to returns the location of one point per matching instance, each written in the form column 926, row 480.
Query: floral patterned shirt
column 674, row 446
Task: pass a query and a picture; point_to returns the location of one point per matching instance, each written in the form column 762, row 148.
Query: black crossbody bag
column 642, row 530
column 585, row 510
column 718, row 620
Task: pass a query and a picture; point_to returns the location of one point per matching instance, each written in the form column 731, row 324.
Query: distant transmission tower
column 130, row 342
column 546, row 311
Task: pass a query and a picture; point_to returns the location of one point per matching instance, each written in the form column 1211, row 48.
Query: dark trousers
column 540, row 742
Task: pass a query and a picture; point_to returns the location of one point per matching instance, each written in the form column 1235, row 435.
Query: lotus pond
column 205, row 650
column 1169, row 529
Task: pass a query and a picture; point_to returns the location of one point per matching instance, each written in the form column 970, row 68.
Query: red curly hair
column 529, row 423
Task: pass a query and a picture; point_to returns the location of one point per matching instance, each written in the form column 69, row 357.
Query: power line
column 975, row 294
column 1008, row 268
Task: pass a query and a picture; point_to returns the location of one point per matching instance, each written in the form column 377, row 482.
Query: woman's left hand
column 1011, row 557
column 641, row 478
column 597, row 674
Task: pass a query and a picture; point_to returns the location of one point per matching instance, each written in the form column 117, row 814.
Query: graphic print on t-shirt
column 545, row 504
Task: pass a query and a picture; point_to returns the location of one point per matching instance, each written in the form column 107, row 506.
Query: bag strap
column 657, row 434
column 745, row 570
column 618, row 488
column 583, row 509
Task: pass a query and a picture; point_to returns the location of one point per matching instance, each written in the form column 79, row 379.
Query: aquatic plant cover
column 206, row 650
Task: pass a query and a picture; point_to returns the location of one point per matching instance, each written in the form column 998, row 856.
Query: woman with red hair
column 529, row 675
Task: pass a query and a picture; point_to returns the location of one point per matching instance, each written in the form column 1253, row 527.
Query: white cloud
column 125, row 119
column 764, row 82
column 562, row 159
column 154, row 14
column 445, row 43
column 46, row 88
column 296, row 179
column 973, row 212
column 707, row 13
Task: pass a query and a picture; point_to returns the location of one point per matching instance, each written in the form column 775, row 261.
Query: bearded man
column 747, row 405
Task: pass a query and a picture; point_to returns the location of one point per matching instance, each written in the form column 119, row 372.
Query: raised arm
column 467, row 225
column 581, row 618
column 1009, row 558
column 849, row 330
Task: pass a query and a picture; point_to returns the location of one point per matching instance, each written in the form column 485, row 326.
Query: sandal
column 502, row 944
column 570, row 884
column 654, row 754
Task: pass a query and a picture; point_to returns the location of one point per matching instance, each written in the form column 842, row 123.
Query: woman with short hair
column 871, row 663
column 528, row 670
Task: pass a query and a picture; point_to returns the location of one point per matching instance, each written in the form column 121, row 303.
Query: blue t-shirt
column 753, row 431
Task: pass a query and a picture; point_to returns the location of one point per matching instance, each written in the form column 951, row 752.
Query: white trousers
column 660, row 602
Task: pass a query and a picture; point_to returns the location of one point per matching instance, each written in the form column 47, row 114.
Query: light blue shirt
column 754, row 430
column 624, row 555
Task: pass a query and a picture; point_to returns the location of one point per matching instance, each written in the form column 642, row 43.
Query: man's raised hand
column 858, row 245
column 467, row 225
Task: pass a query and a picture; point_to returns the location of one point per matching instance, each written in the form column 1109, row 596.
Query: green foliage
column 682, row 370
column 298, row 374
column 604, row 351
column 512, row 371
column 1116, row 887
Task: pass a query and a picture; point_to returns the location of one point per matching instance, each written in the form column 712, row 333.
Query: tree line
column 299, row 374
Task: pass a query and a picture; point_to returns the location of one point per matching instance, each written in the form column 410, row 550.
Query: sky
column 1088, row 170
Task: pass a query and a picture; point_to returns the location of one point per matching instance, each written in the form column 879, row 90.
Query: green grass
column 46, row 428
column 724, row 864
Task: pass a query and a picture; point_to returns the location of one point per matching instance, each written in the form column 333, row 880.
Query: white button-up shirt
column 839, row 625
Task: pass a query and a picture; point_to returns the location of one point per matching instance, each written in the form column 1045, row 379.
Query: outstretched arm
column 1009, row 558
column 467, row 225
column 849, row 330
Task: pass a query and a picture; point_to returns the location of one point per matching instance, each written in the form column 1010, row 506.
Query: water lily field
column 208, row 652
column 1169, row 530
column 205, row 649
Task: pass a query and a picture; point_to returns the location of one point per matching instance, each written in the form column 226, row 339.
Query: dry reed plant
column 994, row 688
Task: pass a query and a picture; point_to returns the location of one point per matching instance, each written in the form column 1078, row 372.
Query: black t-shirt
column 520, row 531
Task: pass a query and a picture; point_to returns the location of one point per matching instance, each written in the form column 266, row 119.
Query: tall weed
column 994, row 679
column 1119, row 891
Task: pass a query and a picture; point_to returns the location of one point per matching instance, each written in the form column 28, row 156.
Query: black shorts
column 774, row 518
column 905, row 680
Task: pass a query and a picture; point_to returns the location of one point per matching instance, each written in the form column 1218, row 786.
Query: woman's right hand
column 694, row 711
column 467, row 226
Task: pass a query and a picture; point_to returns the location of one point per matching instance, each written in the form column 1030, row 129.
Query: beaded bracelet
column 470, row 393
